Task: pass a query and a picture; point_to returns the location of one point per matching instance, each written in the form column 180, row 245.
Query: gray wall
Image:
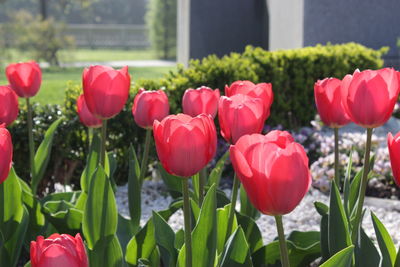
column 373, row 23
column 223, row 26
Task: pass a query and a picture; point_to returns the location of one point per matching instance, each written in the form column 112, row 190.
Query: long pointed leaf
column 385, row 242
column 134, row 190
column 343, row 258
column 236, row 252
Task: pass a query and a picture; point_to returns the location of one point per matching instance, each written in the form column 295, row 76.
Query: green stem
column 145, row 158
column 90, row 136
column 187, row 218
column 31, row 142
column 202, row 182
column 337, row 178
column 234, row 194
column 103, row 143
column 282, row 241
column 363, row 188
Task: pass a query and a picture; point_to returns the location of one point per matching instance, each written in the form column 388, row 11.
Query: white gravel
column 303, row 218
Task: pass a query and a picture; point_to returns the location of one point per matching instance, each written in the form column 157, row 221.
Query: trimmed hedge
column 292, row 73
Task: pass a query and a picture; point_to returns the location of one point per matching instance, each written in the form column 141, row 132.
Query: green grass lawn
column 86, row 55
column 56, row 79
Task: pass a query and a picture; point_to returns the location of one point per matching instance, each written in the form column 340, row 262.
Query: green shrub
column 292, row 73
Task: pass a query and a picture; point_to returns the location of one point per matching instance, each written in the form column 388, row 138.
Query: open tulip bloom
column 6, row 153
column 8, row 105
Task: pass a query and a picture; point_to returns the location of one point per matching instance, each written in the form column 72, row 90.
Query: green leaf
column 342, row 258
column 134, row 190
column 222, row 224
column 366, row 254
column 165, row 240
column 196, row 185
column 92, row 162
column 100, row 217
column 236, row 251
column 321, row 208
column 42, row 155
column 353, row 193
column 112, row 163
column 251, row 231
column 339, row 237
column 195, row 210
column 11, row 206
column 246, row 207
column 63, row 216
column 324, row 240
column 28, row 264
column 172, row 182
column 204, row 235
column 107, row 252
column 11, row 249
column 179, row 239
column 346, row 187
column 385, row 242
column 215, row 175
column 70, row 197
column 125, row 230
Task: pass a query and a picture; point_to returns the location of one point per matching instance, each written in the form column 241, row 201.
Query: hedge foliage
column 292, row 73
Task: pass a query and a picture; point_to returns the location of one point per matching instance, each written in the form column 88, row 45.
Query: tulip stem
column 103, row 143
column 363, row 188
column 145, row 158
column 282, row 241
column 202, row 182
column 187, row 218
column 234, row 194
column 31, row 144
column 337, row 178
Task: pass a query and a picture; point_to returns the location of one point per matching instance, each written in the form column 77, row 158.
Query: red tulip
column 25, row 78
column 273, row 170
column 260, row 90
column 328, row 98
column 85, row 116
column 58, row 250
column 394, row 154
column 239, row 115
column 149, row 106
column 6, row 153
column 106, row 90
column 185, row 144
column 8, row 105
column 201, row 100
column 369, row 96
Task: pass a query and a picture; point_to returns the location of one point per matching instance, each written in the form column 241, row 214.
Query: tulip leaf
column 179, row 239
column 324, row 240
column 172, row 182
column 303, row 248
column 107, row 252
column 246, row 207
column 11, row 249
column 222, row 224
column 143, row 243
column 92, row 162
column 63, row 216
column 346, row 186
column 112, row 163
column 251, row 231
column 196, row 186
column 195, row 210
column 165, row 240
column 365, row 252
column 236, row 251
column 134, row 190
column 100, row 217
column 42, row 155
column 338, row 226
column 343, row 258
column 321, row 208
column 397, row 262
column 215, row 175
column 28, row 264
column 204, row 235
column 124, row 231
column 385, row 242
column 11, row 207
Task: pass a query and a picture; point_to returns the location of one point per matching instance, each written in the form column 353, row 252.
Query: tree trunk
column 43, row 9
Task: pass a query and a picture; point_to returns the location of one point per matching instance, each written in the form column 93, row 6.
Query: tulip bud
column 260, row 90
column 149, row 106
column 328, row 99
column 8, row 105
column 239, row 115
column 369, row 96
column 273, row 170
column 106, row 90
column 24, row 78
column 394, row 154
column 58, row 250
column 85, row 116
column 6, row 153
column 185, row 144
column 201, row 100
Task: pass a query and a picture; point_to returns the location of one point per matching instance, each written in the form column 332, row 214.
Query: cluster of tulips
column 273, row 170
